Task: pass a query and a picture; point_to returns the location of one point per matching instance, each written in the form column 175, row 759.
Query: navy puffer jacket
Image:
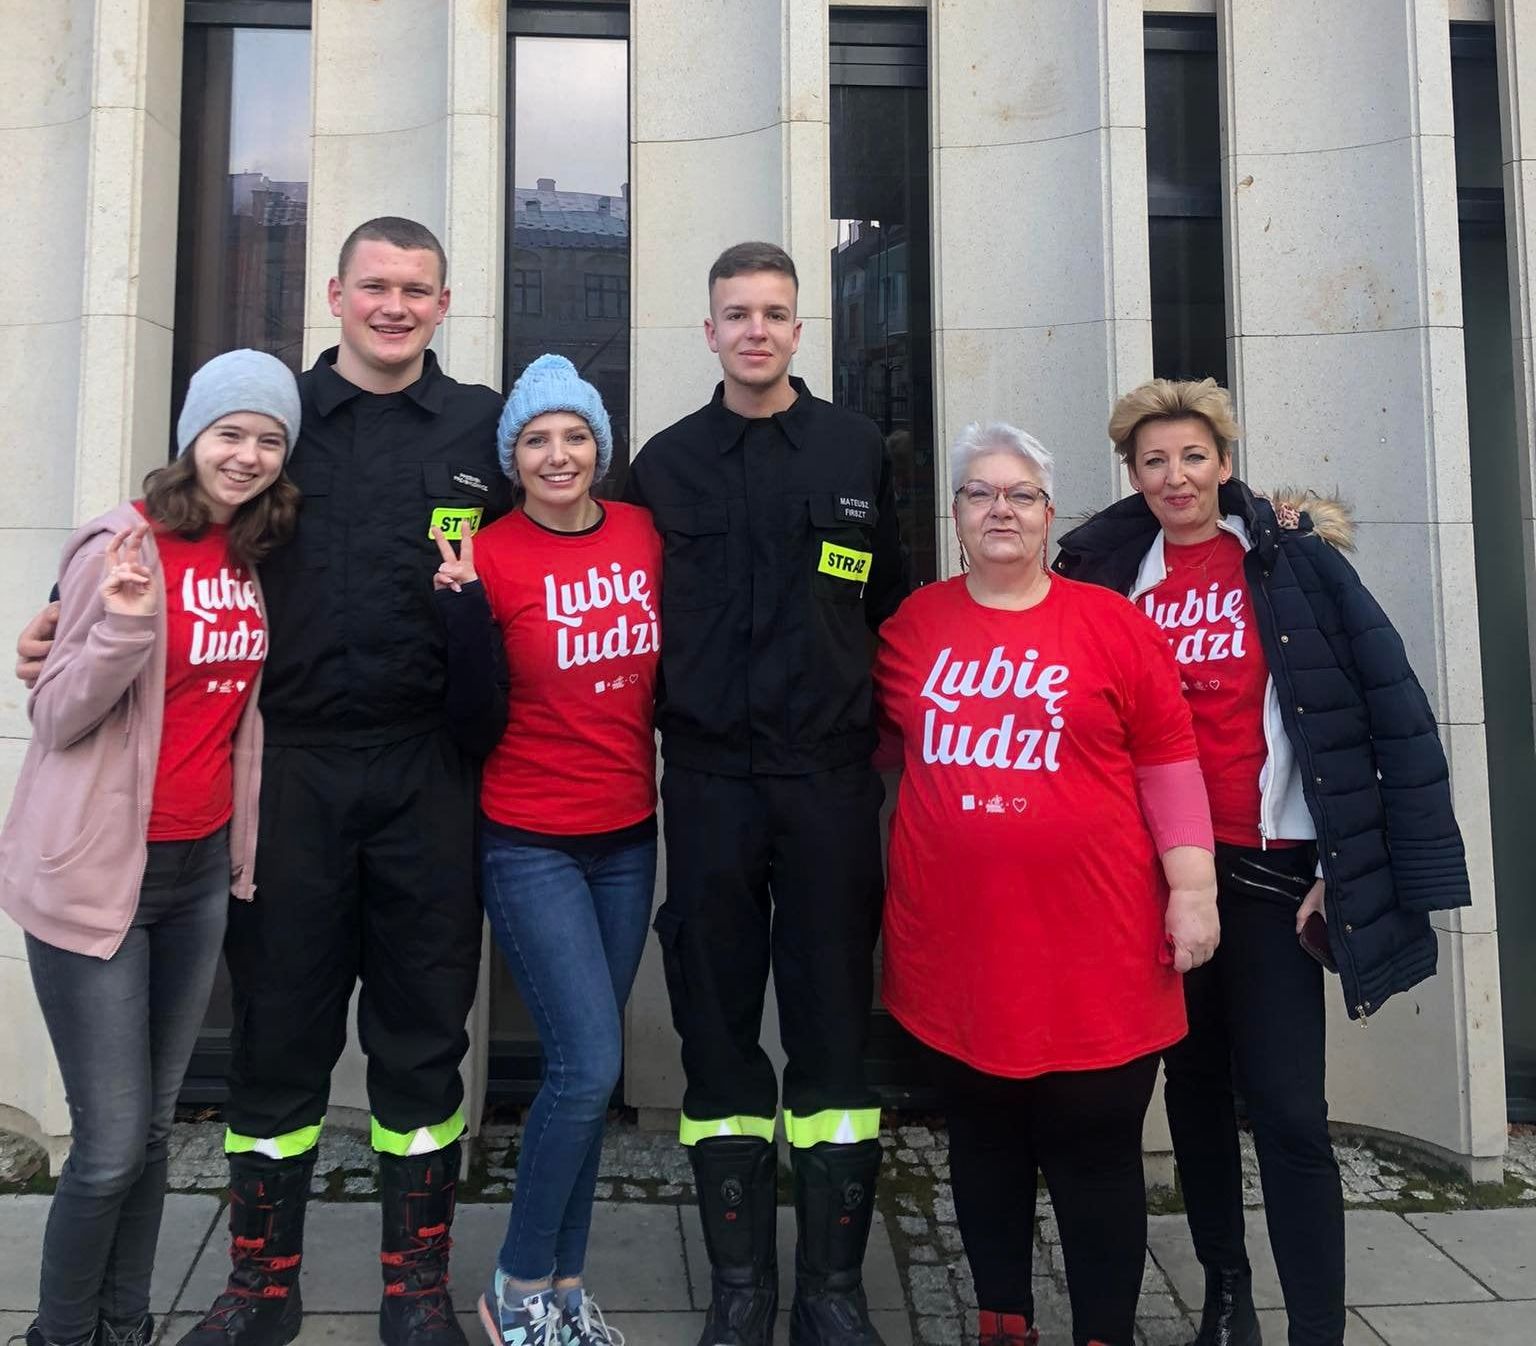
column 1373, row 770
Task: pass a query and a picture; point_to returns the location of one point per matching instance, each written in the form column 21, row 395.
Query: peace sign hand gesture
column 455, row 571
column 128, row 587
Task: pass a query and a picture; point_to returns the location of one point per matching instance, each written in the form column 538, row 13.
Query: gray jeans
column 123, row 1030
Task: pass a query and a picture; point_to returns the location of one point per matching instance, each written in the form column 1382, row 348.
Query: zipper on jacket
column 1269, row 757
column 1269, row 628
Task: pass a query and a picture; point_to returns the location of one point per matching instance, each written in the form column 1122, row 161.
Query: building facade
column 1009, row 209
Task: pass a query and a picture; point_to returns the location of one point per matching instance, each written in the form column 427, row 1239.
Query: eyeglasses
column 1020, row 496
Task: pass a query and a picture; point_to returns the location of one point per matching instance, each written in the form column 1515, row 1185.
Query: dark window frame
column 597, row 283
column 1477, row 207
column 249, row 13
column 889, row 49
column 530, row 280
column 878, row 48
column 548, row 18
column 513, row 1066
column 1189, row 35
column 1182, row 33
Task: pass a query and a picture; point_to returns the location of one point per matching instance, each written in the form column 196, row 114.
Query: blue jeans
column 572, row 931
column 123, row 1030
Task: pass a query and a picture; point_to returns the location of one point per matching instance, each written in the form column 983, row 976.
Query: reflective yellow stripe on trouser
column 423, row 1140
column 290, row 1145
column 691, row 1132
column 838, row 1126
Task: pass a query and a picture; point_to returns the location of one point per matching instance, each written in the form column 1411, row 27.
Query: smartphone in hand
column 1314, row 941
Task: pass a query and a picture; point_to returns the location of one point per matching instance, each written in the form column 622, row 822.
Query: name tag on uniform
column 844, row 563
column 853, row 510
column 451, row 520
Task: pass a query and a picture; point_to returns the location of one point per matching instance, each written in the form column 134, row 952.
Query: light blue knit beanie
column 243, row 380
column 551, row 383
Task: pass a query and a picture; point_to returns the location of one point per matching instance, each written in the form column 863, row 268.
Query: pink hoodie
column 72, row 850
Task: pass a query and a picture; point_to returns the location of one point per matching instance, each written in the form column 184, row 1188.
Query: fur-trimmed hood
column 1330, row 516
column 1108, row 548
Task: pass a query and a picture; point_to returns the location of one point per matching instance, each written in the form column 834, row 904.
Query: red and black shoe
column 1005, row 1329
column 260, row 1305
column 418, row 1201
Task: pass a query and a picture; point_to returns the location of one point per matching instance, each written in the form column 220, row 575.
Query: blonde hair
column 1174, row 400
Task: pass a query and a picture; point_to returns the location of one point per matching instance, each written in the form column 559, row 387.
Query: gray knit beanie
column 243, row 380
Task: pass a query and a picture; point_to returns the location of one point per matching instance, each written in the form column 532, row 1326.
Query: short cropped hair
column 398, row 233
column 998, row 436
column 1174, row 400
column 743, row 258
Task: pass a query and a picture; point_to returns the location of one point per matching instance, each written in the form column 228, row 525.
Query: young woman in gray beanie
column 133, row 820
column 553, row 627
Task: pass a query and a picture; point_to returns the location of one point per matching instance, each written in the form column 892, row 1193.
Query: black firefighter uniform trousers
column 784, row 869
column 365, row 870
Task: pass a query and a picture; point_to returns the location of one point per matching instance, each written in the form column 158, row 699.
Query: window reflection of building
column 567, row 261
column 567, row 291
column 882, row 330
column 239, row 262
column 241, row 253
column 574, row 247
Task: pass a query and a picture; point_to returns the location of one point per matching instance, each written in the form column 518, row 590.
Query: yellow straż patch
column 845, row 563
column 450, row 521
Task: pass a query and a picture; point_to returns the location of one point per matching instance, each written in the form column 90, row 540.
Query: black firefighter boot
column 834, row 1204
column 418, row 1194
column 736, row 1178
column 1228, row 1317
column 260, row 1306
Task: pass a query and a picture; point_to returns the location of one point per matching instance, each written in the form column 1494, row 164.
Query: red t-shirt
column 216, row 641
column 1204, row 608
column 1024, row 912
column 580, row 621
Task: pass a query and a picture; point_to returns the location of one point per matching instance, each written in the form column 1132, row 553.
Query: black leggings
column 1082, row 1129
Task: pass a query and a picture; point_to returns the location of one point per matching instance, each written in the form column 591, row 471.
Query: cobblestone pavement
column 915, row 1196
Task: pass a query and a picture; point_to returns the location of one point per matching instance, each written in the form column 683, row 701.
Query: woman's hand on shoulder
column 128, row 587
column 455, row 571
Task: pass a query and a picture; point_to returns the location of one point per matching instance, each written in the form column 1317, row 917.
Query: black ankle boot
column 260, row 1306
column 736, row 1178
column 1228, row 1317
column 417, row 1194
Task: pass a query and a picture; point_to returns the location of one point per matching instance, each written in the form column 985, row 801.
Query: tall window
column 567, row 283
column 568, row 200
column 882, row 325
column 1189, row 332
column 239, row 252
column 244, row 183
column 1499, row 546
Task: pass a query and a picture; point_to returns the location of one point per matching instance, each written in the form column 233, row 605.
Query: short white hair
column 997, row 436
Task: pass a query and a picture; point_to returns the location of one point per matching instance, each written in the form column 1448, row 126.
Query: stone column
column 476, row 198
column 1516, row 32
column 1043, row 304
column 380, row 144
column 90, row 128
column 731, row 142
column 1348, row 366
column 429, row 146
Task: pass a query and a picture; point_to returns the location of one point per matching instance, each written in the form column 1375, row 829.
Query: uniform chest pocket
column 841, row 545
column 695, row 556
column 456, row 500
column 312, row 542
